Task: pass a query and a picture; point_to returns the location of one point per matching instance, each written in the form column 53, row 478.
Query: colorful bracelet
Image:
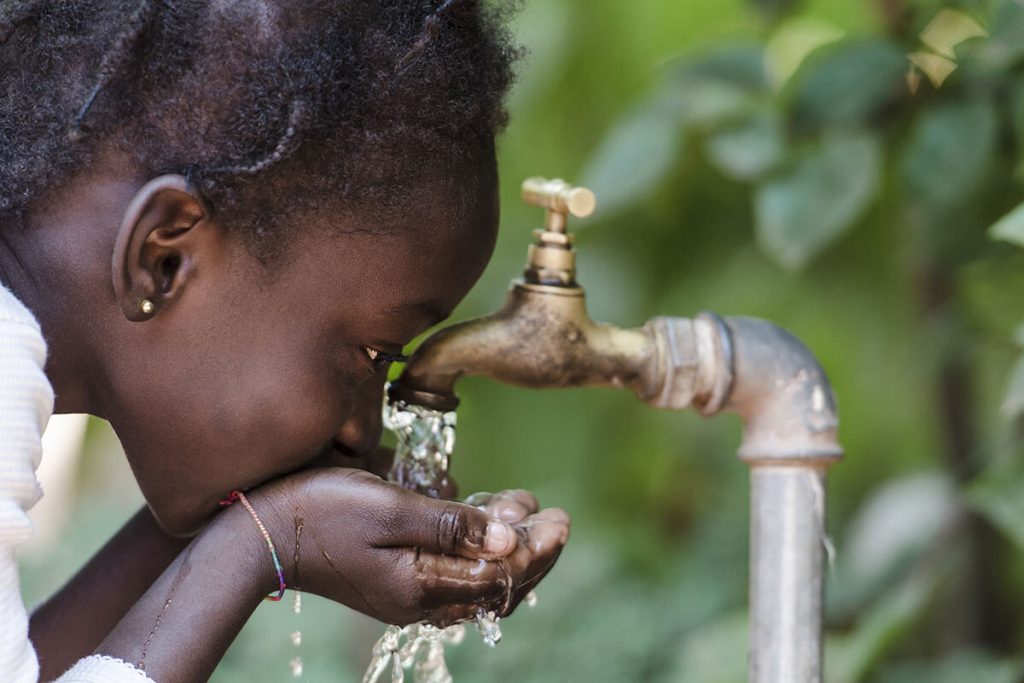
column 239, row 496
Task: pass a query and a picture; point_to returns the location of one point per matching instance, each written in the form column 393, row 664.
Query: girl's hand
column 401, row 557
column 536, row 528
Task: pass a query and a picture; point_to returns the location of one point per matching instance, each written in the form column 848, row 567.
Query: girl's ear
column 155, row 250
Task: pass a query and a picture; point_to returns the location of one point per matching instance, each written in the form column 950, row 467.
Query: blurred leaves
column 748, row 149
column 1010, row 228
column 883, row 624
column 737, row 69
column 792, row 41
column 635, row 156
column 848, row 82
column 1005, row 43
column 997, row 494
column 802, row 210
column 1013, row 402
column 949, row 152
column 889, row 532
column 947, row 29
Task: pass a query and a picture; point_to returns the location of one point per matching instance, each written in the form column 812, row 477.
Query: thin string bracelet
column 239, row 496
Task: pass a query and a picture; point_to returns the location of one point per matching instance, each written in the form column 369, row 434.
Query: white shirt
column 26, row 403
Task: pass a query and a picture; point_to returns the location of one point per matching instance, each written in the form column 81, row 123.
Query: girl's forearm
column 70, row 624
column 181, row 627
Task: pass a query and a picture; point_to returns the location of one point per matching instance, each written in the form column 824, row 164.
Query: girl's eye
column 382, row 359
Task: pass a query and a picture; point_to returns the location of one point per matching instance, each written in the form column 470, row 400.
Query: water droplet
column 530, row 599
column 490, row 629
column 296, row 637
column 295, row 664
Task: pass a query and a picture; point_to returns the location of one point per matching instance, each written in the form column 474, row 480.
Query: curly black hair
column 353, row 99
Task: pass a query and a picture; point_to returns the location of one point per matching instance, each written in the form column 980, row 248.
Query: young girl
column 219, row 220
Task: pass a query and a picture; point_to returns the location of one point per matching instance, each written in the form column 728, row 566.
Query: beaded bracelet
column 239, row 496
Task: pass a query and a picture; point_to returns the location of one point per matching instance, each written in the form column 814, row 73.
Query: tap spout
column 541, row 338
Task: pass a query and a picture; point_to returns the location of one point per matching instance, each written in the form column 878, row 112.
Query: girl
column 221, row 219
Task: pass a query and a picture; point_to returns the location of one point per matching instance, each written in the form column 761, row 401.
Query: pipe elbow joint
column 781, row 393
column 752, row 368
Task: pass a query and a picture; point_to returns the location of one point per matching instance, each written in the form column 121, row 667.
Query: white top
column 26, row 402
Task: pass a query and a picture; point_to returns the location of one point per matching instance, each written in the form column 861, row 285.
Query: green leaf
column 750, row 148
column 1016, row 98
column 793, row 41
column 740, row 65
column 890, row 619
column 1005, row 43
column 891, row 530
column 847, row 82
column 997, row 495
column 718, row 86
column 1010, row 228
column 949, row 152
column 803, row 210
column 633, row 159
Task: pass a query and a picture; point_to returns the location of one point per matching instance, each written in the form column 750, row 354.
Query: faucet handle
column 551, row 259
column 560, row 199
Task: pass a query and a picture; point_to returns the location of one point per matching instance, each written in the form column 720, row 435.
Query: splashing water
column 425, row 441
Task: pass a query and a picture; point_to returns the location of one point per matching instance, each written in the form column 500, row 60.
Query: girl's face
column 254, row 373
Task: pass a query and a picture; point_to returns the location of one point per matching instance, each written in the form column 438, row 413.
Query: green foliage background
column 741, row 172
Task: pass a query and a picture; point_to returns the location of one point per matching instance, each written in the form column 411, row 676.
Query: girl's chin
column 184, row 521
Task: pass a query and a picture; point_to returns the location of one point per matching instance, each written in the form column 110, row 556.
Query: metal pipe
column 779, row 390
column 789, row 440
column 787, row 514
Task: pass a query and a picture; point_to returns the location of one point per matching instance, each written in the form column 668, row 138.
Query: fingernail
column 499, row 537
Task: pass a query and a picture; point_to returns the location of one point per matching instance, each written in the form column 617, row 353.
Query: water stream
column 425, row 439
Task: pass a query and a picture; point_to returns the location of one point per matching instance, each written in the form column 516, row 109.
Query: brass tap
column 543, row 335
column 551, row 260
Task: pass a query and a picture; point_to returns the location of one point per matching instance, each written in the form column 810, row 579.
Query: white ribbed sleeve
column 26, row 402
column 100, row 669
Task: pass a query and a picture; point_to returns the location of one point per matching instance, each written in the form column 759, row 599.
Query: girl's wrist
column 236, row 533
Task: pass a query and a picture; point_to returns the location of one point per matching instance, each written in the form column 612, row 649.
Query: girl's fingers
column 512, row 506
column 545, row 530
column 445, row 528
column 454, row 588
column 446, row 581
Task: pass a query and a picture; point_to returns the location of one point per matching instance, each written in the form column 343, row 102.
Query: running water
column 425, row 441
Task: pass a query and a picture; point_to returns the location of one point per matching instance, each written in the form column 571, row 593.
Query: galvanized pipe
column 787, row 514
column 789, row 440
column 772, row 381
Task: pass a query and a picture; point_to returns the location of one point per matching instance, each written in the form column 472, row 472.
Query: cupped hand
column 401, row 557
column 537, row 529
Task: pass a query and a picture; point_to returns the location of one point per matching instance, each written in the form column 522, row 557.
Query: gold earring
column 147, row 306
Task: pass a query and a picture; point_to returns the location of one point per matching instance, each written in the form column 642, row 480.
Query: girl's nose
column 361, row 432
